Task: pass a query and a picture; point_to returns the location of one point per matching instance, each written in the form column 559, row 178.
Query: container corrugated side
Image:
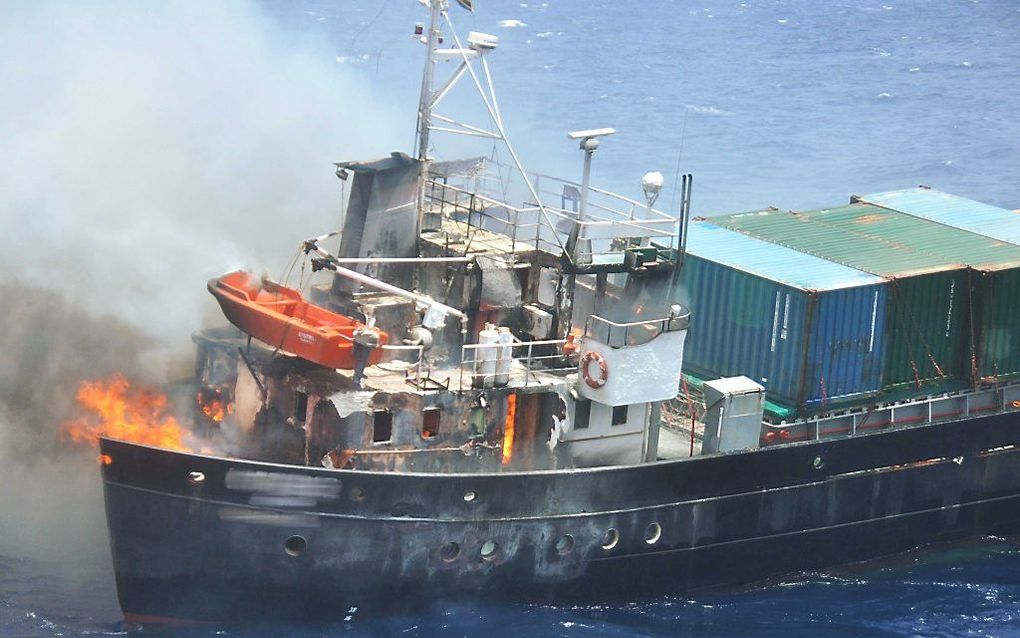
column 997, row 354
column 809, row 330
column 928, row 309
column 993, row 288
column 952, row 210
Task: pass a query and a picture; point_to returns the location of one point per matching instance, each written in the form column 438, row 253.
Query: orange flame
column 136, row 414
column 508, row 428
column 215, row 409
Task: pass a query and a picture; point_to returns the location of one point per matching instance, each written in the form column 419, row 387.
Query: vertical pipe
column 585, row 182
column 582, row 214
column 425, row 99
column 425, row 111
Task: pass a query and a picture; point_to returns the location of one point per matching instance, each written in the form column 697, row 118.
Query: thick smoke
column 149, row 146
column 146, row 148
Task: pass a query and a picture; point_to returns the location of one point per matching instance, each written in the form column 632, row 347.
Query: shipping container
column 951, row 210
column 809, row 330
column 927, row 319
column 994, row 284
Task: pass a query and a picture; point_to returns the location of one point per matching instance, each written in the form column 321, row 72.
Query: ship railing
column 608, row 229
column 491, row 176
column 613, row 225
column 418, row 373
column 481, row 365
column 525, row 226
column 958, row 405
column 633, row 333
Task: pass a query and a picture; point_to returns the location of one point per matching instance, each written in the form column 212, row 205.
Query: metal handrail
column 614, row 223
column 602, row 329
column 526, row 361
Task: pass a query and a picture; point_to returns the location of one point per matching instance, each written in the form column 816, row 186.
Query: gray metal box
column 733, row 414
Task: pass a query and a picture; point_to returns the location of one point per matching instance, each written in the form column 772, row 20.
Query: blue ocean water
column 793, row 104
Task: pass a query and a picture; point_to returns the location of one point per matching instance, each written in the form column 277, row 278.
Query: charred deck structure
column 492, row 430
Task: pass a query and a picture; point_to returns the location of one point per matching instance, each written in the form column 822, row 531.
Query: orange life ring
column 594, row 382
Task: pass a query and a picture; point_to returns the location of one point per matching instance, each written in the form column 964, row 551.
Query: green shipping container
column 994, row 284
column 928, row 329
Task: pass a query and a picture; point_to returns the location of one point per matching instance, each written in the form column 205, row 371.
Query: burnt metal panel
column 380, row 219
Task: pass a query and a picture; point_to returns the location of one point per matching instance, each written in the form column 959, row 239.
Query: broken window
column 429, row 423
column 300, row 406
column 582, row 414
column 382, row 426
column 620, row 415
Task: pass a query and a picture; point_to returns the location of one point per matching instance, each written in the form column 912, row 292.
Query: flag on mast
column 467, row 4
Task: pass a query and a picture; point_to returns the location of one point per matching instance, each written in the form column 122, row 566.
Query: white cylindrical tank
column 485, row 357
column 504, row 356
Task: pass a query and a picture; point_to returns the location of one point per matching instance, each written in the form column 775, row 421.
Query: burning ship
column 471, row 405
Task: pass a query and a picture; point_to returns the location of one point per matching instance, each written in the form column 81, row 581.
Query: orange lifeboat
column 282, row 318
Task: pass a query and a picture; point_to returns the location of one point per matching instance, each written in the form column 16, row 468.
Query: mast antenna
column 478, row 45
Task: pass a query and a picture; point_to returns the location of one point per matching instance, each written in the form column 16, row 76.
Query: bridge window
column 300, row 406
column 582, row 414
column 429, row 423
column 620, row 415
column 382, row 426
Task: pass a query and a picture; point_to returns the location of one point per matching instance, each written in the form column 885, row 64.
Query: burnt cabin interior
column 293, row 411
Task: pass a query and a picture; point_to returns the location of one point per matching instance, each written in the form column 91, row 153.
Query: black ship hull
column 212, row 539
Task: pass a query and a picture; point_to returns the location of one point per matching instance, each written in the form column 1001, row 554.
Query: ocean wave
column 706, row 110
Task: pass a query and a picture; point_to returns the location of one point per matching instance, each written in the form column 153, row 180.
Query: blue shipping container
column 950, row 210
column 810, row 330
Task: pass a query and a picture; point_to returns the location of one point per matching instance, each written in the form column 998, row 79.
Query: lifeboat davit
column 281, row 317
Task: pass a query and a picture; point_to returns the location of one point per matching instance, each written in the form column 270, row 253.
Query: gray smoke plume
column 150, row 146
column 146, row 148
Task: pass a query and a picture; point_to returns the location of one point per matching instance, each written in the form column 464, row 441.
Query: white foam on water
column 706, row 110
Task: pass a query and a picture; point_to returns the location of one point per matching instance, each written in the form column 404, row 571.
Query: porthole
column 356, row 494
column 564, row 544
column 489, row 550
column 449, row 551
column 653, row 533
column 295, row 545
column 818, row 463
column 469, row 497
column 610, row 539
column 196, row 478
